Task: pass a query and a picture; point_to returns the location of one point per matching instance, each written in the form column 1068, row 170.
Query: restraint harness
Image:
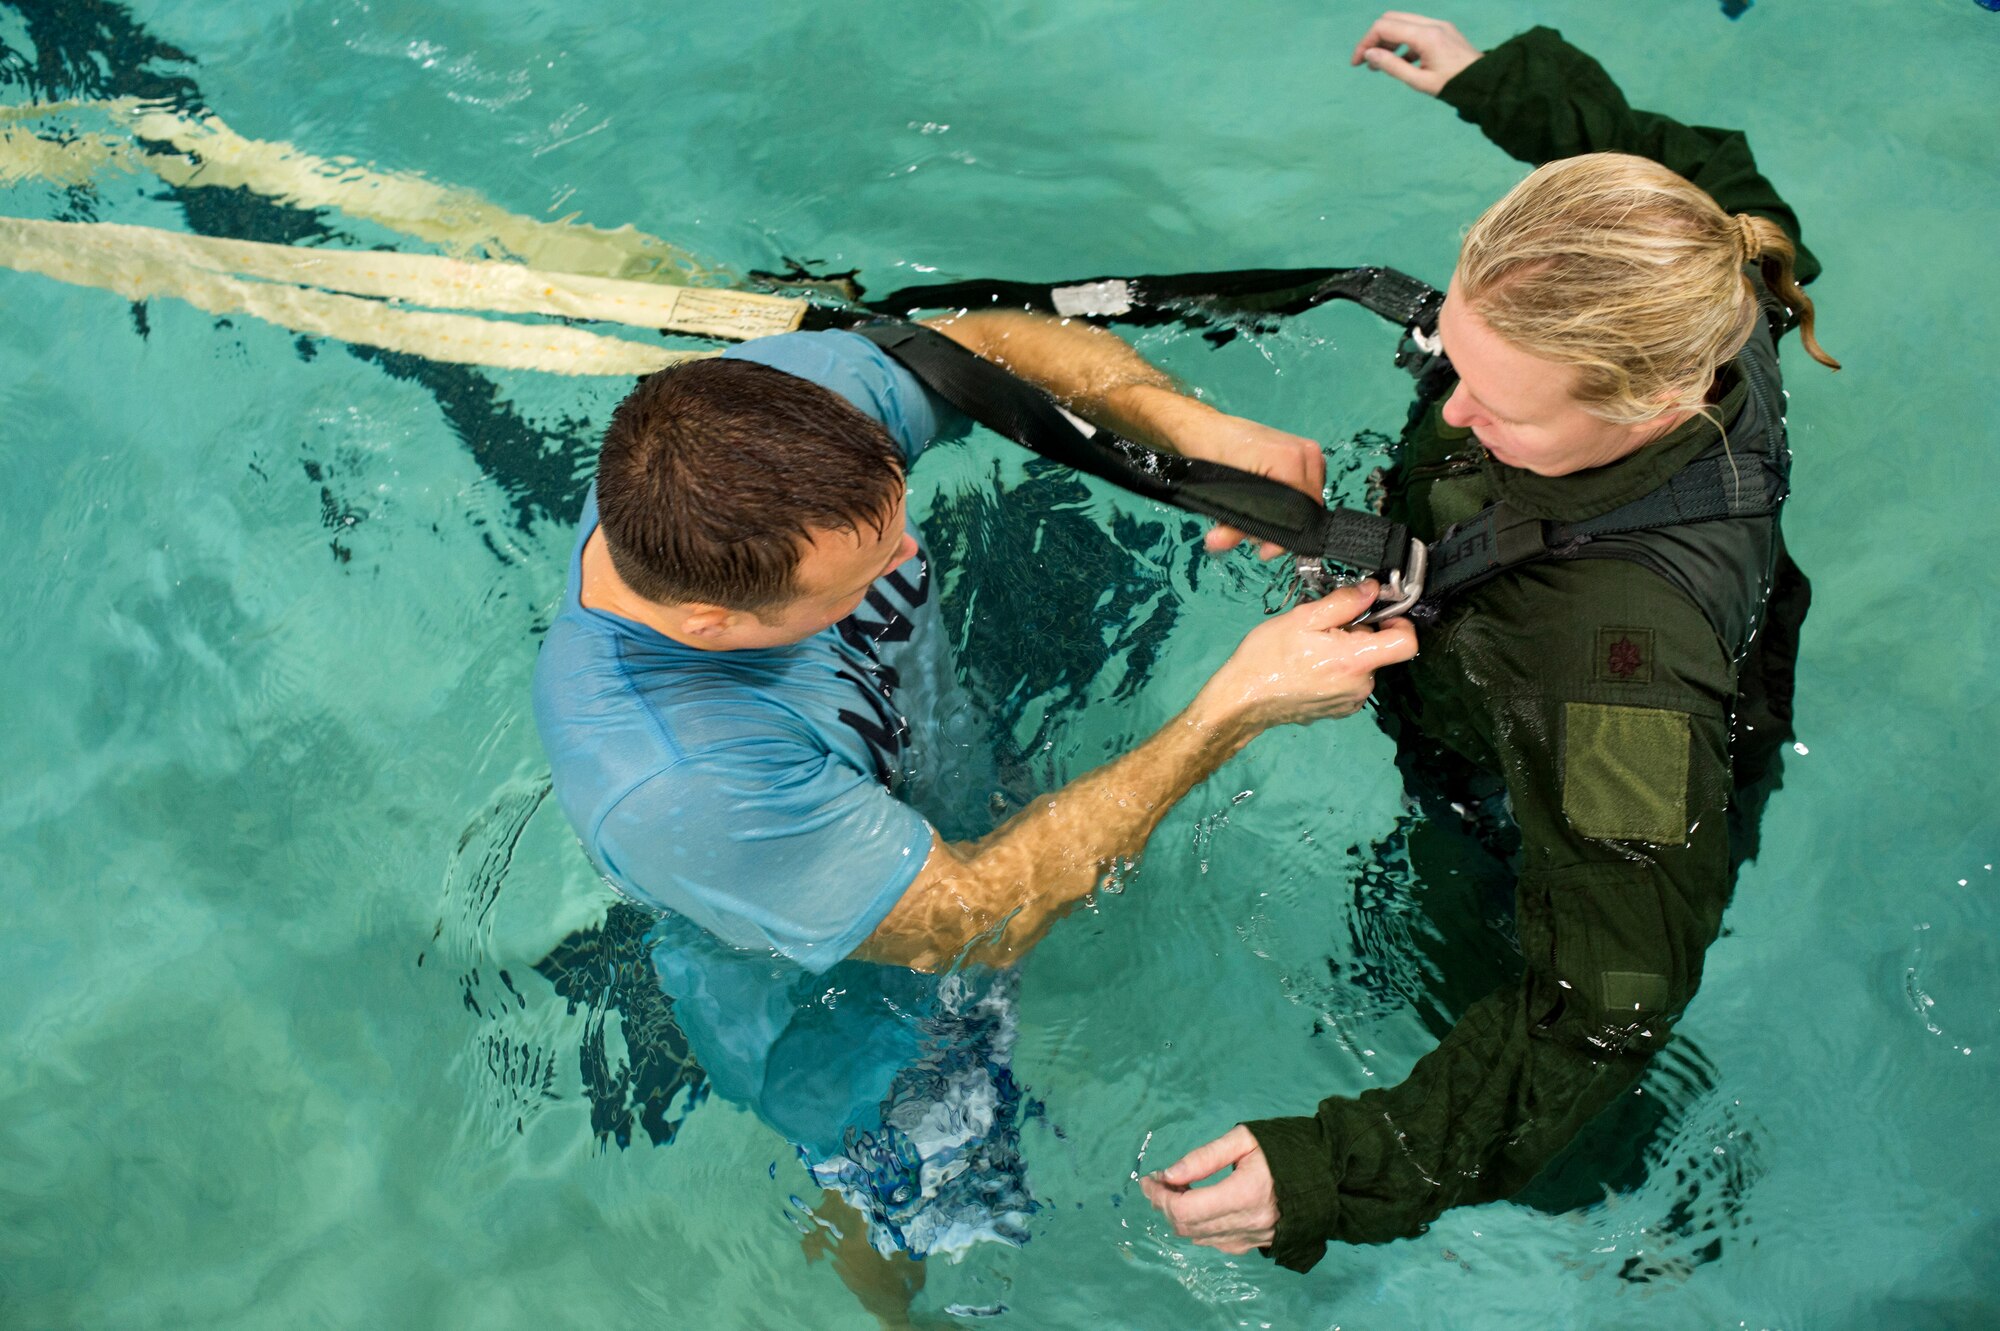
column 1416, row 578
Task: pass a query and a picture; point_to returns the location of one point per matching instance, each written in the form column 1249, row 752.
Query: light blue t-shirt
column 753, row 796
column 751, row 791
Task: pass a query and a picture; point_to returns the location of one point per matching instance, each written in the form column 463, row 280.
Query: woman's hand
column 1425, row 53
column 1236, row 1214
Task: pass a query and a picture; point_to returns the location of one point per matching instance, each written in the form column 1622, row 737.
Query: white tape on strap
column 1093, row 300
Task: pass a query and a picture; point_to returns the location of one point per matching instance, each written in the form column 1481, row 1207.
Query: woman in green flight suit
column 1611, row 329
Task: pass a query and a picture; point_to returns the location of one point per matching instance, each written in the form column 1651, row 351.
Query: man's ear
column 708, row 621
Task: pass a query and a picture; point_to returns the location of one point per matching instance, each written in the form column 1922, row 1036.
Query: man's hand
column 990, row 901
column 1425, row 53
column 1305, row 664
column 1248, row 446
column 1235, row 1215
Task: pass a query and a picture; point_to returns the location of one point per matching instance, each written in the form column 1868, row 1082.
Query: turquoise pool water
column 313, row 1011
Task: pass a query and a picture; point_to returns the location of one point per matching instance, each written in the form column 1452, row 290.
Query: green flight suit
column 1602, row 697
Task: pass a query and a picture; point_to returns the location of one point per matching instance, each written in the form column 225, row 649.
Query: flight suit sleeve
column 1540, row 99
column 1612, row 734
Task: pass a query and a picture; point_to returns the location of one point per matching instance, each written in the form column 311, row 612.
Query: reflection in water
column 633, row 1061
column 607, row 969
column 1039, row 598
column 543, row 469
column 94, row 49
column 1674, row 1127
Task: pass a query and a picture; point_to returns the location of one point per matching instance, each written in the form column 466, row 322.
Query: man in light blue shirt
column 727, row 700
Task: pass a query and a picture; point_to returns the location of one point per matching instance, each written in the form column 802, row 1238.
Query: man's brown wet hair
column 714, row 472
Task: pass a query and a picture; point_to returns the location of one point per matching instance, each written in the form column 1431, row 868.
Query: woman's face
column 1520, row 408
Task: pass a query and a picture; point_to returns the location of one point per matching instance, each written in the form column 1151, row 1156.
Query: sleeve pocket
column 1625, row 773
column 1611, row 943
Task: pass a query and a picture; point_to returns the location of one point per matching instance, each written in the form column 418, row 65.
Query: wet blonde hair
column 1630, row 273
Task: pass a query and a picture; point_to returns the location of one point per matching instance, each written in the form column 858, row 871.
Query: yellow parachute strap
column 210, row 153
column 431, row 280
column 25, row 156
column 141, row 264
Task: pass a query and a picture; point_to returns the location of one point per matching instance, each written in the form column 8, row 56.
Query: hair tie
column 1748, row 243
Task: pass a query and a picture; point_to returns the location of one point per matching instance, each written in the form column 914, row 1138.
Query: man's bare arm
column 1094, row 373
column 1102, row 379
column 991, row 900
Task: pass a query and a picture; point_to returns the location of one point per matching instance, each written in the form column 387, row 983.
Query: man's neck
column 604, row 591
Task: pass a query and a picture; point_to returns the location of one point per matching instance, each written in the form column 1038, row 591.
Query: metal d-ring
column 1405, row 589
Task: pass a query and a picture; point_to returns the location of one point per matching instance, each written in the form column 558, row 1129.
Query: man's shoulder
column 818, row 356
column 615, row 710
column 580, row 672
column 870, row 380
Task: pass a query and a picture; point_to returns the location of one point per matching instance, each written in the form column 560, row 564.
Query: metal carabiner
column 1310, row 578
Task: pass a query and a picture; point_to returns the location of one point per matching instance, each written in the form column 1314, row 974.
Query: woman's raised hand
column 1425, row 53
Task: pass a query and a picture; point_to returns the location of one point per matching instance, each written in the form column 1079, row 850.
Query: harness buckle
column 1402, row 590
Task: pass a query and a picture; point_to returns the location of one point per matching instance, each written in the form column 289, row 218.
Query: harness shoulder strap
column 1717, row 486
column 1713, row 488
column 1251, row 297
column 1498, row 538
column 1265, row 509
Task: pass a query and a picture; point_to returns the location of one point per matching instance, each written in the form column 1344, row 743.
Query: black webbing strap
column 1488, row 543
column 1498, row 538
column 1248, row 297
column 1262, row 508
column 1468, row 554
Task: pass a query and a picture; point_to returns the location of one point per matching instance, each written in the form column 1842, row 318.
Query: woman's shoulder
column 1604, row 630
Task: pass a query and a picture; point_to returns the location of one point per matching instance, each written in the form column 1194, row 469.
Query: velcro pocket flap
column 1625, row 772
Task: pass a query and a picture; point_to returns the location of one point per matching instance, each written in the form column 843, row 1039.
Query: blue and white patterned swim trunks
column 944, row 1170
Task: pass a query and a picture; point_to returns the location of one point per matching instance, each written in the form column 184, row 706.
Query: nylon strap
column 201, row 151
column 281, row 282
column 99, row 255
column 414, row 279
column 1264, row 509
column 1251, row 297
column 1497, row 538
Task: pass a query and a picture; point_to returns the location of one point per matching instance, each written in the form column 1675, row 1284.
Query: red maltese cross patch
column 1625, row 656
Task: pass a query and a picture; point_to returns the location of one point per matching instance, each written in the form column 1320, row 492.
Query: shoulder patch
column 1625, row 656
column 1625, row 772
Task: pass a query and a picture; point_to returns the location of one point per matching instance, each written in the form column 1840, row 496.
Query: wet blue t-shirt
column 760, row 798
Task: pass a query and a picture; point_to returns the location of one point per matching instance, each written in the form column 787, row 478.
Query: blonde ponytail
column 1766, row 243
column 1617, row 266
